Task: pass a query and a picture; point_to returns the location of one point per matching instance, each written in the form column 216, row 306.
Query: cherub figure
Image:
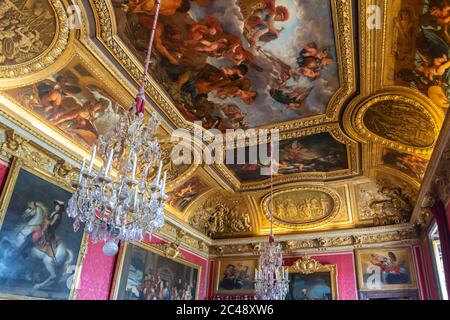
column 439, row 66
column 261, row 22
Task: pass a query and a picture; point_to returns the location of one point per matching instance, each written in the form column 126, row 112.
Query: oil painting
column 315, row 153
column 183, row 195
column 412, row 165
column 148, row 275
column 235, row 276
column 38, row 247
column 27, row 28
column 316, row 286
column 385, row 269
column 238, row 63
column 73, row 100
column 422, row 57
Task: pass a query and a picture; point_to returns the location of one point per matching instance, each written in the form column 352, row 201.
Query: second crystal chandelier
column 126, row 205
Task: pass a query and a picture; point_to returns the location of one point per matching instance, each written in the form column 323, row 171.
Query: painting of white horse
column 38, row 247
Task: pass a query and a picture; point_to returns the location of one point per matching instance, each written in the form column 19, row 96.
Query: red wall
column 345, row 267
column 98, row 272
column 4, row 167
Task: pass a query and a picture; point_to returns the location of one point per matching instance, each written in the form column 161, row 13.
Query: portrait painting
column 316, row 286
column 316, row 153
column 420, row 55
column 412, row 165
column 235, row 276
column 238, row 63
column 144, row 273
column 73, row 100
column 385, row 269
column 27, row 28
column 311, row 280
column 39, row 250
column 184, row 194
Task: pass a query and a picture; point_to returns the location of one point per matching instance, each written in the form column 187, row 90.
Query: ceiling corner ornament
column 308, row 265
column 301, row 208
column 44, row 37
column 397, row 122
column 217, row 217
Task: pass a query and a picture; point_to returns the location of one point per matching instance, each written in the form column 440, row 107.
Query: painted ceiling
column 358, row 90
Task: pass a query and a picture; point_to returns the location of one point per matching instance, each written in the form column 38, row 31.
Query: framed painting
column 385, row 269
column 40, row 254
column 234, row 276
column 310, row 280
column 144, row 273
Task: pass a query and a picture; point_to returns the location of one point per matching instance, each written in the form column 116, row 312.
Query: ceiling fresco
column 238, row 63
column 355, row 141
column 419, row 48
column 74, row 100
column 315, row 153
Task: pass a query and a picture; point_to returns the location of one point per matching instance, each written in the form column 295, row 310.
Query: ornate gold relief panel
column 401, row 121
column 34, row 34
column 302, row 207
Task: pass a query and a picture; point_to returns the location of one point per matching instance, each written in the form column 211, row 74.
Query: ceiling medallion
column 44, row 37
column 398, row 122
column 302, row 208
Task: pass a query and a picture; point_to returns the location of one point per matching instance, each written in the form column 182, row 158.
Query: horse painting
column 37, row 256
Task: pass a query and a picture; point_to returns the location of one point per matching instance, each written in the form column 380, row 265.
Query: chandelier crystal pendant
column 271, row 278
column 123, row 206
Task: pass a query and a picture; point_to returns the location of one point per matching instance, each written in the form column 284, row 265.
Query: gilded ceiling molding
column 303, row 207
column 17, row 69
column 325, row 243
column 412, row 127
column 106, row 32
column 353, row 159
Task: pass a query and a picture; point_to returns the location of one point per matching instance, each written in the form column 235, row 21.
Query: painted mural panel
column 74, row 100
column 419, row 57
column 238, row 63
column 316, row 153
column 413, row 166
column 184, row 194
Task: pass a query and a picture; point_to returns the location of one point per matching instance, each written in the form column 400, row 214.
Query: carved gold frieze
column 302, row 208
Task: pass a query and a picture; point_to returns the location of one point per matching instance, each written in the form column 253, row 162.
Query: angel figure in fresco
column 261, row 16
column 435, row 67
column 311, row 60
column 293, row 98
column 442, row 15
column 206, row 36
column 52, row 93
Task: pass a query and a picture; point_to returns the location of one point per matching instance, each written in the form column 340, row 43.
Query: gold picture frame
column 385, row 269
column 17, row 167
column 237, row 268
column 309, row 267
column 120, row 265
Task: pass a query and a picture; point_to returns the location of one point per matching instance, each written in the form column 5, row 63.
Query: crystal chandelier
column 123, row 206
column 271, row 278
